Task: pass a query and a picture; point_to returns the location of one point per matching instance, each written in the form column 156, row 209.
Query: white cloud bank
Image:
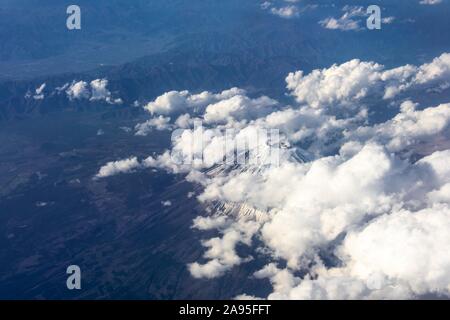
column 354, row 80
column 359, row 216
column 348, row 21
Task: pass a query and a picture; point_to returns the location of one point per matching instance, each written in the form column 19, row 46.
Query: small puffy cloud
column 99, row 91
column 116, row 167
column 408, row 128
column 39, row 92
column 96, row 90
column 430, row 2
column 238, row 108
column 78, row 90
column 126, row 129
column 177, row 102
column 165, row 161
column 438, row 69
column 388, row 20
column 339, row 84
column 396, row 255
column 159, row 123
column 221, row 108
column 348, row 21
column 286, row 12
column 221, row 251
column 168, row 103
column 362, row 208
column 265, row 5
column 210, row 223
column 166, row 203
column 184, row 121
column 190, row 194
column 282, row 280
